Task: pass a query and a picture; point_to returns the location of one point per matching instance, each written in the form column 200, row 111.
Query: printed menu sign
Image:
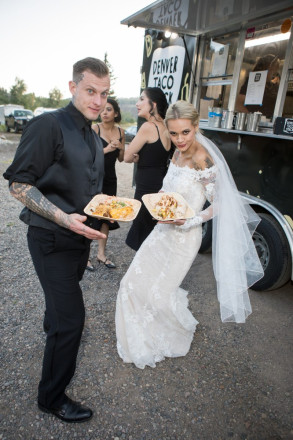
column 220, row 61
column 256, row 87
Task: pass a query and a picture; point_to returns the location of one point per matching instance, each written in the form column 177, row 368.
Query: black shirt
column 40, row 146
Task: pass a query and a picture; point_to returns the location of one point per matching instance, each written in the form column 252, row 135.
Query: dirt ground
column 235, row 383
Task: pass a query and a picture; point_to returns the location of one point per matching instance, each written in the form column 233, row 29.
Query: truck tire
column 15, row 128
column 207, row 238
column 274, row 252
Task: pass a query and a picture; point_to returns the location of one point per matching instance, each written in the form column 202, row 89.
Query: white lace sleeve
column 207, row 179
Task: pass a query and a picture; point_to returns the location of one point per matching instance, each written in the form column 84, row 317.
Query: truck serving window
column 264, row 53
column 217, row 72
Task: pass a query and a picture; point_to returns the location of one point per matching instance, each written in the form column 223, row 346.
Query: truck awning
column 195, row 17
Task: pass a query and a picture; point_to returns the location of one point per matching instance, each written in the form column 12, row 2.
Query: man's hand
column 76, row 224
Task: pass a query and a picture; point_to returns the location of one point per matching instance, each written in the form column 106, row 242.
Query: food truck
column 233, row 59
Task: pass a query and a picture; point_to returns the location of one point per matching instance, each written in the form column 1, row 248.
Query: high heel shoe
column 89, row 266
column 109, row 265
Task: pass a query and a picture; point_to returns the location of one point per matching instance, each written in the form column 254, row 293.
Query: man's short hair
column 94, row 65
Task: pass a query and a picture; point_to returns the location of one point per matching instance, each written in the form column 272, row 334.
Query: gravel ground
column 235, row 383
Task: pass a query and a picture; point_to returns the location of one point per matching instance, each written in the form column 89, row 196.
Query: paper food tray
column 150, row 201
column 101, row 198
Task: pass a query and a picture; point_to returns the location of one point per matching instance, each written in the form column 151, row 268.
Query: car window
column 20, row 113
column 132, row 129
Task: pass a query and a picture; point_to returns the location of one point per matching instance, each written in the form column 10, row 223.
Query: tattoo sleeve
column 34, row 200
column 208, row 162
column 201, row 166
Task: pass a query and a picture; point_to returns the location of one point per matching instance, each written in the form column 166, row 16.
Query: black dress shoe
column 46, row 325
column 69, row 411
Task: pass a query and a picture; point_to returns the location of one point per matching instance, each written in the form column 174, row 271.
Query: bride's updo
column 182, row 110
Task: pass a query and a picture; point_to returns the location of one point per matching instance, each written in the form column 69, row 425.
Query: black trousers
column 60, row 258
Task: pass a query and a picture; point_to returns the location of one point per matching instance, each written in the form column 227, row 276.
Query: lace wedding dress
column 152, row 316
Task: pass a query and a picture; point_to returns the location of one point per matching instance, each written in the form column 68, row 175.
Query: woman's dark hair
column 116, row 109
column 155, row 94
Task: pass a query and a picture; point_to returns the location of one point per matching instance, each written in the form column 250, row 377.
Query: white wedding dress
column 152, row 316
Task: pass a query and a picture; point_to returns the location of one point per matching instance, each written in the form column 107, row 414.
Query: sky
column 40, row 40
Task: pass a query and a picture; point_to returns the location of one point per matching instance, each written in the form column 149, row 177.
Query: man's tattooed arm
column 31, row 197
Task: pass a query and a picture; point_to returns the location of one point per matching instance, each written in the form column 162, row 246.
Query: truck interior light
column 168, row 34
column 266, row 40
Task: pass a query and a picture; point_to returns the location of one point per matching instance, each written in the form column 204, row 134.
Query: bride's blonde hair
column 182, row 110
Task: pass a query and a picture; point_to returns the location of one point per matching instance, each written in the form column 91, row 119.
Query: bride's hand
column 173, row 222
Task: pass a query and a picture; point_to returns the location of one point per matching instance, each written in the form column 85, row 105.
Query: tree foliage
column 4, row 96
column 17, row 95
column 55, row 97
column 112, row 76
column 29, row 101
column 17, row 91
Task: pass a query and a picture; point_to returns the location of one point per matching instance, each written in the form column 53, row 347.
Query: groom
column 58, row 167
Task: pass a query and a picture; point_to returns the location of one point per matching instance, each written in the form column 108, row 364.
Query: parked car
column 40, row 110
column 18, row 119
column 7, row 109
column 130, row 132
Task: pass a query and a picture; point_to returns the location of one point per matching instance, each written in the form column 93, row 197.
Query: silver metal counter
column 203, row 126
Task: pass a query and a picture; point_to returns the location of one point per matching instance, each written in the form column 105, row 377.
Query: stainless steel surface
column 253, row 121
column 265, row 130
column 198, row 67
column 240, row 121
column 288, row 61
column 227, row 119
column 215, row 116
column 204, row 126
column 194, row 82
column 220, row 82
column 202, row 17
column 237, row 70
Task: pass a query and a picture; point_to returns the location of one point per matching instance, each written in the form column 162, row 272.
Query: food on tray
column 168, row 208
column 165, row 206
column 113, row 208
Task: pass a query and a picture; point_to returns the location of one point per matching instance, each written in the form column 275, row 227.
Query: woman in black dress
column 113, row 139
column 151, row 150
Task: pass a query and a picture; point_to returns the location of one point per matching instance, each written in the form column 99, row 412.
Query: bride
column 152, row 316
